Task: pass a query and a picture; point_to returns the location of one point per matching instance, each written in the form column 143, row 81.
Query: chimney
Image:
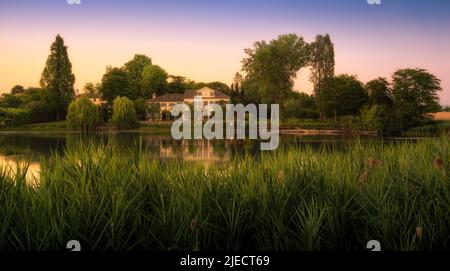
column 154, row 95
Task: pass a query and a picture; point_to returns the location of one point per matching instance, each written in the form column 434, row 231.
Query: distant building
column 209, row 96
column 93, row 97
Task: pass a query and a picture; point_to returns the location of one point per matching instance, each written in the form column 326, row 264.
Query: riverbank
column 285, row 200
column 297, row 128
column 60, row 126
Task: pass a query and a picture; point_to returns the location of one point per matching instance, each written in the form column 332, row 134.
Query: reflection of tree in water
column 32, row 144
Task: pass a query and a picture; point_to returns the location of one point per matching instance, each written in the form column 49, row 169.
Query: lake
column 19, row 148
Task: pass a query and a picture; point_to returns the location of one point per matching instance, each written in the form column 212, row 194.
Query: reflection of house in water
column 189, row 150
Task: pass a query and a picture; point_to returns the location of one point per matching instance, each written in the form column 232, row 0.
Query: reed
column 295, row 199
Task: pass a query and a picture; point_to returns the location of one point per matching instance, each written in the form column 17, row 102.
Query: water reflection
column 20, row 148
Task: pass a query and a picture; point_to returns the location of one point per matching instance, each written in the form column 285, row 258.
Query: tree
column 375, row 117
column 17, row 89
column 415, row 93
column 10, row 101
column 116, row 83
column 154, row 111
column 344, row 95
column 192, row 84
column 379, row 92
column 299, row 105
column 134, row 69
column 124, row 114
column 322, row 62
column 177, row 84
column 271, row 67
column 57, row 79
column 219, row 86
column 237, row 82
column 141, row 108
column 92, row 89
column 82, row 115
column 154, row 81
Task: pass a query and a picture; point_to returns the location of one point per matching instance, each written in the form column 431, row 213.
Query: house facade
column 209, row 96
column 94, row 98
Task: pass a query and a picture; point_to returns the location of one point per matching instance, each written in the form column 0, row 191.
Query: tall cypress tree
column 57, row 79
column 322, row 62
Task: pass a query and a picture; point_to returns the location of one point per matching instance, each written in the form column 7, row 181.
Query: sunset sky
column 205, row 40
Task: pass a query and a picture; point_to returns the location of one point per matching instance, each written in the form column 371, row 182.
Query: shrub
column 124, row 114
column 375, row 118
column 14, row 116
column 83, row 115
column 141, row 108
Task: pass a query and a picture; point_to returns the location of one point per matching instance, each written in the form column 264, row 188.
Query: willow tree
column 57, row 79
column 124, row 114
column 322, row 63
column 83, row 115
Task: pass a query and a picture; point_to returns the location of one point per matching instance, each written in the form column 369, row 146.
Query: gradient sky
column 204, row 40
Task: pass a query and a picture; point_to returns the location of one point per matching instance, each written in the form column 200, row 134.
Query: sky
column 204, row 40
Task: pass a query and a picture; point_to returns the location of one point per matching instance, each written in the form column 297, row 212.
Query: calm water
column 32, row 147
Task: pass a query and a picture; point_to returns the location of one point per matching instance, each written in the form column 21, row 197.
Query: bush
column 351, row 123
column 124, row 114
column 141, row 108
column 83, row 115
column 375, row 118
column 38, row 112
column 14, row 116
column 106, row 112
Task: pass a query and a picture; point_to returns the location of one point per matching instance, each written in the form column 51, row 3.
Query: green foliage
column 57, row 80
column 14, row 116
column 124, row 115
column 83, row 115
column 106, row 111
column 375, row 118
column 17, row 89
column 344, row 95
column 154, row 111
column 322, row 67
column 116, row 83
column 154, row 81
column 271, row 67
column 134, row 69
column 415, row 94
column 140, row 107
column 91, row 89
column 219, row 86
column 435, row 129
column 10, row 101
column 380, row 92
column 299, row 105
column 177, row 84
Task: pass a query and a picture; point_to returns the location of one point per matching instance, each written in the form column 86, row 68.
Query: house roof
column 167, row 98
column 188, row 95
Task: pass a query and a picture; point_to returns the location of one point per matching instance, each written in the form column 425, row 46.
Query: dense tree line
column 271, row 67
